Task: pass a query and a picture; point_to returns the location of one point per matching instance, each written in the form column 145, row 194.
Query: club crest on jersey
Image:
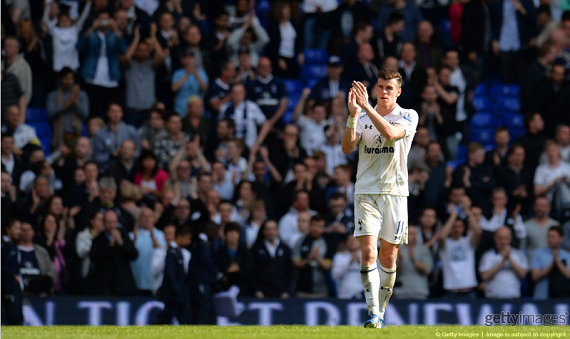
column 407, row 116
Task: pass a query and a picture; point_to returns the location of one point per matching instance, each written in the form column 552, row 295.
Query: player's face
column 388, row 91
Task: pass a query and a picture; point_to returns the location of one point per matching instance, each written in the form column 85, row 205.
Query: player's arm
column 350, row 138
column 389, row 131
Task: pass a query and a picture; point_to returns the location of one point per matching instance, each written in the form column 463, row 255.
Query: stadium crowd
column 178, row 148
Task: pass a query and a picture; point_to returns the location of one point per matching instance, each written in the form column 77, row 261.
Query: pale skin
column 387, row 92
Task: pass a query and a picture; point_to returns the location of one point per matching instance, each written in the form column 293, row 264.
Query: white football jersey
column 383, row 164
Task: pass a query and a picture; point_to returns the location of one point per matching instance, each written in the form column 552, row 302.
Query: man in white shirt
column 500, row 218
column 333, row 149
column 549, row 175
column 562, row 137
column 457, row 253
column 502, row 268
column 312, row 125
column 289, row 223
column 22, row 133
column 384, row 135
column 247, row 117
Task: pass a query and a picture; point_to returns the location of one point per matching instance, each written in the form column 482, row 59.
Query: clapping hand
column 353, row 108
column 361, row 93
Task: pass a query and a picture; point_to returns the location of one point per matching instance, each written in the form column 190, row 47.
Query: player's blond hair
column 389, row 75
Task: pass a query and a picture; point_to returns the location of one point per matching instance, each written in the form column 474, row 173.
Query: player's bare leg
column 388, row 255
column 370, row 279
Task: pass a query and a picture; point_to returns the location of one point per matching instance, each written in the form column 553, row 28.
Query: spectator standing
column 388, row 40
column 516, row 178
column 219, row 90
column 429, row 52
column 272, row 264
column 17, row 65
column 140, row 73
column 415, row 263
column 108, row 140
column 36, row 267
column 168, row 143
column 412, row 15
column 123, row 169
column 534, row 139
column 364, row 70
column 500, row 216
column 84, row 241
column 497, row 157
column 111, row 253
column 562, row 138
column 317, row 21
column 285, row 43
column 195, row 123
column 550, row 268
column 346, row 269
column 502, row 268
column 251, row 35
column 288, row 225
column 333, row 149
column 457, row 254
column 538, row 226
column 174, row 290
column 12, row 312
column 536, row 74
column 476, row 27
column 149, row 177
column 514, row 24
column 145, row 239
column 65, row 33
column 187, row 82
column 233, row 258
column 268, row 93
column 413, row 75
column 68, row 109
column 312, row 125
column 152, row 128
column 13, row 95
column 22, row 133
column 332, row 84
column 312, row 256
column 248, row 117
column 548, row 176
column 102, row 45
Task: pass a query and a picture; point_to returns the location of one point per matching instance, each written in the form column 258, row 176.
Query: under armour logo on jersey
column 360, row 224
column 368, row 126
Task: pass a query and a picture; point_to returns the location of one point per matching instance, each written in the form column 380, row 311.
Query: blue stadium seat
column 516, row 133
column 46, row 145
column 293, row 86
column 485, row 136
column 262, row 7
column 482, row 104
column 481, row 90
column 287, row 117
column 36, row 115
column 454, row 163
column 292, row 102
column 462, row 153
column 483, row 120
column 499, row 91
column 311, row 83
column 43, row 129
column 512, row 120
column 316, row 56
column 445, row 26
column 506, row 104
column 313, row 72
column 84, row 130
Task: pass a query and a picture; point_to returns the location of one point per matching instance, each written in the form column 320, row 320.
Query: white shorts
column 381, row 215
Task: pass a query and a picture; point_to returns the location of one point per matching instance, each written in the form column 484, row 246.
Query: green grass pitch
column 278, row 332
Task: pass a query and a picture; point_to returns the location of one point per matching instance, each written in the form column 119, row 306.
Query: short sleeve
column 258, row 115
column 539, row 177
column 359, row 126
column 409, row 121
column 177, row 75
column 487, row 262
column 520, row 259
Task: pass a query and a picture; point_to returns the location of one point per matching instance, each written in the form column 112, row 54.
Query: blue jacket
column 91, row 46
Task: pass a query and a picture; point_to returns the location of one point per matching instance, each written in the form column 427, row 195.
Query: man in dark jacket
column 203, row 277
column 272, row 264
column 514, row 24
column 111, row 253
column 234, row 259
column 11, row 279
column 476, row 34
column 174, row 291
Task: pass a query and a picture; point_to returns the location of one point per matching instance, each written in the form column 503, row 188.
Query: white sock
column 387, row 279
column 371, row 284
